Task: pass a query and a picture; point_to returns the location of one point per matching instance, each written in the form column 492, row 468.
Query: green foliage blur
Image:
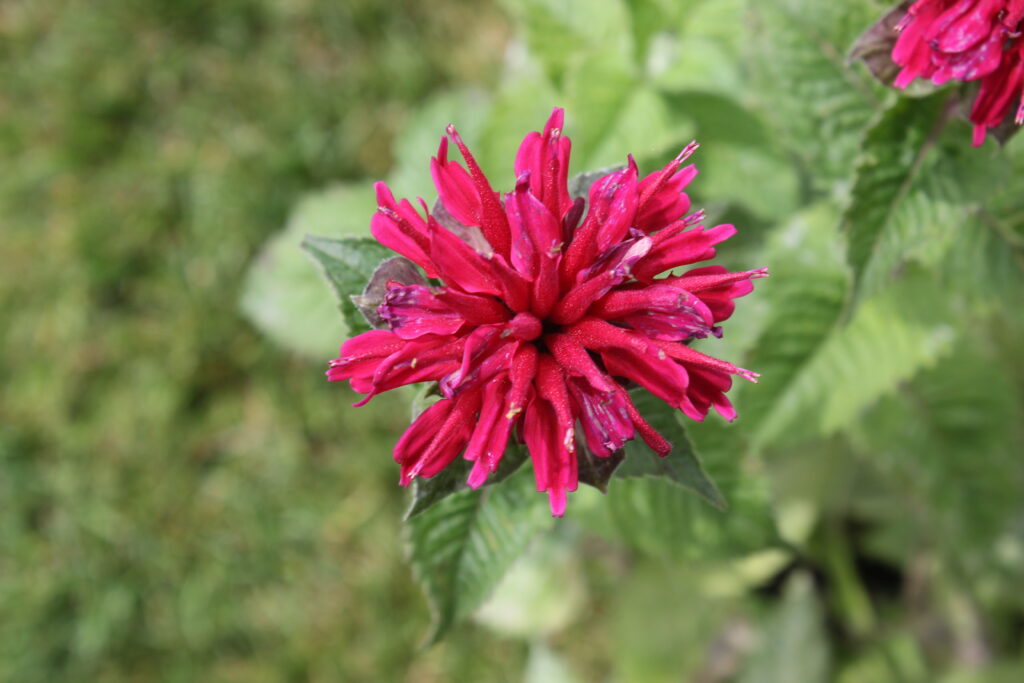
column 183, row 497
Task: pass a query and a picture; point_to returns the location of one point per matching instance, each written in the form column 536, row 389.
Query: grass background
column 179, row 500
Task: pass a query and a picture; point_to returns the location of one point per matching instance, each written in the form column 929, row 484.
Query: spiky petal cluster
column 545, row 312
column 967, row 40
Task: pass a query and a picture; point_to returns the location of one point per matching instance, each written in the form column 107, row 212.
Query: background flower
column 967, row 40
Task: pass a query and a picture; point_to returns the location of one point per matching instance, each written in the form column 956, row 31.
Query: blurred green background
column 183, row 497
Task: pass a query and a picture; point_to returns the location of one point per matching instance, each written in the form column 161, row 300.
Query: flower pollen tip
column 687, row 152
column 748, row 375
column 694, row 218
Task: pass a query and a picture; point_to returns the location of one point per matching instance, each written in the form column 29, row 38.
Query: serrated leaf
column 916, row 183
column 348, row 263
column 893, row 335
column 817, row 105
column 452, row 479
column 952, row 437
column 805, row 298
column 894, row 150
column 681, row 466
column 461, row 547
column 985, row 262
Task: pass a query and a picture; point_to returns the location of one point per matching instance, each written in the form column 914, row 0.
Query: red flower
column 544, row 314
column 967, row 40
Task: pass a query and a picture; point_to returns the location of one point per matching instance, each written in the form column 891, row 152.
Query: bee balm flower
column 547, row 305
column 967, row 40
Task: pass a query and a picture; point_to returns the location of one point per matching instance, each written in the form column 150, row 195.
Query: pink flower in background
column 967, row 40
column 547, row 306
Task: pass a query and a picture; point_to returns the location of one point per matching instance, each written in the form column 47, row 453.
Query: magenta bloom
column 544, row 314
column 967, row 40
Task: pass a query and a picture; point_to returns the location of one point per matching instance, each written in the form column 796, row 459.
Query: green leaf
column 452, row 479
column 610, row 113
column 348, row 263
column 681, row 466
column 818, row 375
column 283, row 294
column 985, row 262
column 893, row 335
column 562, row 31
column 893, row 153
column 543, row 593
column 985, row 259
column 462, row 547
column 699, row 48
column 817, row 105
column 523, row 103
column 793, row 644
column 918, row 181
column 805, row 297
column 419, row 137
column 749, row 177
column 951, row 438
column 649, row 18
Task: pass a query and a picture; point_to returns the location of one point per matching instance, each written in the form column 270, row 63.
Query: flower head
column 967, row 40
column 546, row 306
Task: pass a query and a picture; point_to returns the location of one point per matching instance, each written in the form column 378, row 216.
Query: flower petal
column 546, row 157
column 412, row 311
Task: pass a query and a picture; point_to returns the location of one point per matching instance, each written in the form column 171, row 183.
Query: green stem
column 850, row 596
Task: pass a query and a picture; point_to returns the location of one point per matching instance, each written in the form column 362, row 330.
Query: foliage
column 184, row 497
